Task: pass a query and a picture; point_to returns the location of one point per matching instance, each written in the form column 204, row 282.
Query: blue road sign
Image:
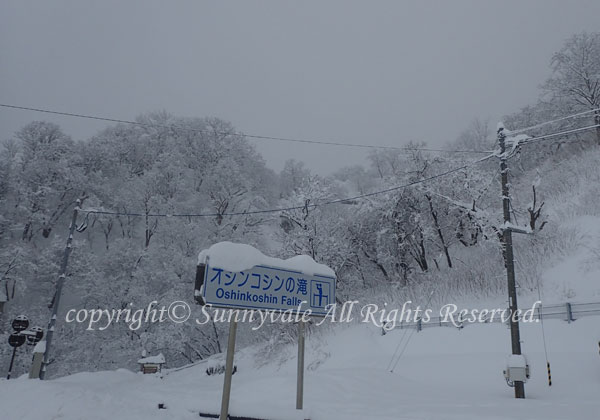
column 268, row 288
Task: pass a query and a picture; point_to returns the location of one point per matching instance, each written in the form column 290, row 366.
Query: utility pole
column 59, row 286
column 515, row 335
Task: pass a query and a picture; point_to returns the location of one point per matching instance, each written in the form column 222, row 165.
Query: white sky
column 376, row 72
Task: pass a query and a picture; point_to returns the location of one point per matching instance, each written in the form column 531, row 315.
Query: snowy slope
column 444, row 374
column 577, row 275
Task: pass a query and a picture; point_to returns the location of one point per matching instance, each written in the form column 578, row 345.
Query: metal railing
column 567, row 311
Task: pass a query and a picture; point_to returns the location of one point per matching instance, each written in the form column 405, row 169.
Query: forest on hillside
column 156, row 193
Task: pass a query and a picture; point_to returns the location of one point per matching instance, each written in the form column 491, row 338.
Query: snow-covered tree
column 576, row 74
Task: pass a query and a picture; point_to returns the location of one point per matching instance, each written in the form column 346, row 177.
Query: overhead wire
column 533, row 127
column 291, row 208
column 237, row 133
column 308, row 141
column 562, row 133
column 314, row 205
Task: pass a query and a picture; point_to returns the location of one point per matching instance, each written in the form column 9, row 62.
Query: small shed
column 152, row 364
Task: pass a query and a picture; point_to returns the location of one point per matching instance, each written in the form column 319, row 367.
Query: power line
column 253, row 136
column 336, row 201
column 410, row 184
column 283, row 209
column 562, row 133
column 521, row 130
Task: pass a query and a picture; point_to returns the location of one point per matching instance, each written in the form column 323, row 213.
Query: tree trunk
column 439, row 231
column 418, row 252
column 216, row 335
column 378, row 264
column 148, row 235
column 422, row 257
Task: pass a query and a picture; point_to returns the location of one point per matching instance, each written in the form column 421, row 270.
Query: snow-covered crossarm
column 511, row 142
column 517, row 229
column 240, row 276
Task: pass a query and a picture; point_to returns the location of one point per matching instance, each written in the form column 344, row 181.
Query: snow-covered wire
column 232, row 133
column 533, row 127
column 562, row 133
column 301, row 207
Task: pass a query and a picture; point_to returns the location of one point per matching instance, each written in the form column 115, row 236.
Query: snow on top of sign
column 239, row 257
column 516, row 228
column 153, row 359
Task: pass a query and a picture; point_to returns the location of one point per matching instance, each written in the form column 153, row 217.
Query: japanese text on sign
column 271, row 288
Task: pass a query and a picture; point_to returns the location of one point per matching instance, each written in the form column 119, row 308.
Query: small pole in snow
column 569, row 313
column 300, row 374
column 12, row 360
column 228, row 370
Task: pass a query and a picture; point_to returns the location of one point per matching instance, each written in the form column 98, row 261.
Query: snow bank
column 239, row 257
column 444, row 373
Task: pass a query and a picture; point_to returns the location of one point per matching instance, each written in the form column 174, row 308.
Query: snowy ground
column 445, row 373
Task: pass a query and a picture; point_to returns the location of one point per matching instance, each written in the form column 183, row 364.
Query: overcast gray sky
column 376, row 72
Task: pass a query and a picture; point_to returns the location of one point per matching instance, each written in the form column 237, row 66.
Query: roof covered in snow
column 153, row 359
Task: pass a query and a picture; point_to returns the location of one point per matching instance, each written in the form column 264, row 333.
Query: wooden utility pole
column 59, row 286
column 515, row 335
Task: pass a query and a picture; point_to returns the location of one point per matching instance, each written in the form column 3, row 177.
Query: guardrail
column 567, row 311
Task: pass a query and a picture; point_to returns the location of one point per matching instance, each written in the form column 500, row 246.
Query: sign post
column 228, row 370
column 298, row 287
column 21, row 335
column 300, row 376
column 14, row 340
